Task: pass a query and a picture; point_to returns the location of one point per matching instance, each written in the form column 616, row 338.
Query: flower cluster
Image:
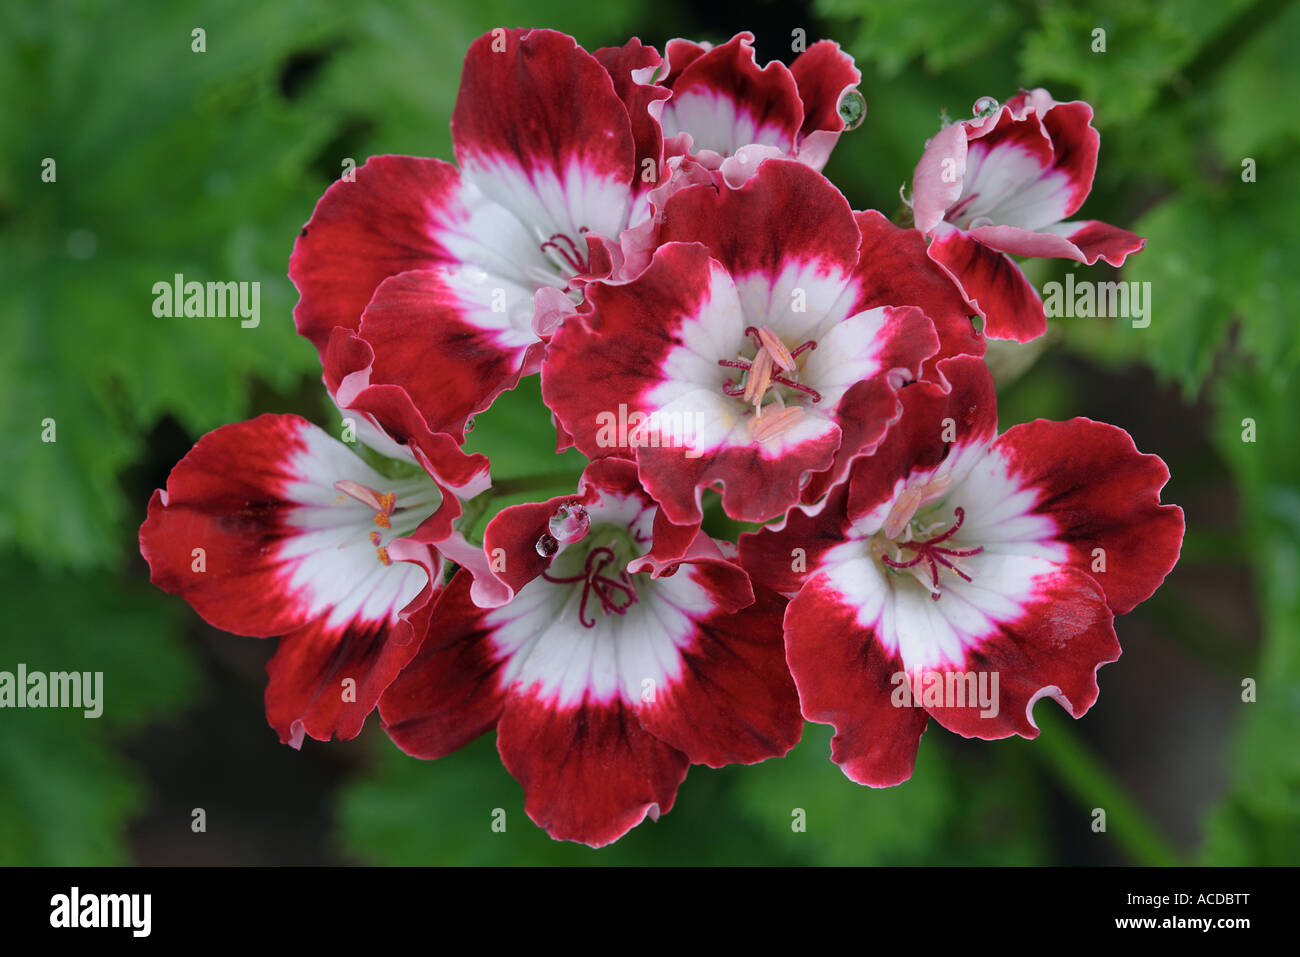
column 654, row 237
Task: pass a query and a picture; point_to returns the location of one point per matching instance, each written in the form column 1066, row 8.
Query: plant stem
column 1079, row 772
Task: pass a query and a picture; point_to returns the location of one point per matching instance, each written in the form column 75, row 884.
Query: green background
column 208, row 163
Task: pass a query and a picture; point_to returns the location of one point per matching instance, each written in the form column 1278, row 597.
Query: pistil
column 931, row 551
column 566, row 249
column 616, row 595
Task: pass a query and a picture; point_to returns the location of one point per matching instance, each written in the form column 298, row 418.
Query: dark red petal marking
column 1101, row 493
column 844, row 679
column 364, row 231
column 590, row 774
column 451, row 692
column 992, row 284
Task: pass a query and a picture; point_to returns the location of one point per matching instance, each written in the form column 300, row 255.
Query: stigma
column 931, row 547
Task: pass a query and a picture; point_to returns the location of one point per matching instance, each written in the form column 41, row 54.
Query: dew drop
column 569, row 523
column 852, row 108
column 469, row 424
column 985, row 106
column 547, row 546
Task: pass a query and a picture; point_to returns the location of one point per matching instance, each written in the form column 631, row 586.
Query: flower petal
column 992, row 284
column 785, row 214
column 733, row 701
column 1092, row 240
column 590, row 773
column 325, row 679
column 387, row 411
column 894, row 270
column 540, row 130
column 451, row 692
column 1054, row 649
column 452, row 341
column 844, row 679
column 1100, row 493
column 724, row 101
column 937, row 180
column 823, row 73
column 364, row 231
column 630, row 67
column 281, row 546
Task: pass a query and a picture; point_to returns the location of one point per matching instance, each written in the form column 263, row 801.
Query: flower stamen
column 771, row 360
column 931, row 551
column 776, row 424
column 382, row 504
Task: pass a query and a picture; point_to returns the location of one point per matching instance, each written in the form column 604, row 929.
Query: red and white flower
column 722, row 101
column 751, row 351
column 455, row 276
column 954, row 559
column 273, row 527
column 1003, row 182
column 725, row 116
column 631, row 649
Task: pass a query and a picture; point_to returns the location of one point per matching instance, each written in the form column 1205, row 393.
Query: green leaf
column 948, row 812
column 1216, row 261
column 168, row 161
column 891, row 35
column 1145, row 45
column 68, row 796
column 1256, row 823
column 396, row 72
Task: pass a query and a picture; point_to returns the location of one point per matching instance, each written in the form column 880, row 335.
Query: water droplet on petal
column 852, row 108
column 469, row 424
column 985, row 106
column 569, row 523
column 547, row 546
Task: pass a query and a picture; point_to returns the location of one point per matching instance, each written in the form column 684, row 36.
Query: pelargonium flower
column 1001, row 183
column 749, row 354
column 724, row 117
column 722, row 101
column 955, row 562
column 274, row 527
column 453, row 276
column 631, row 649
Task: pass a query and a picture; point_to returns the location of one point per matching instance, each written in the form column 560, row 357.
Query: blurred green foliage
column 171, row 161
